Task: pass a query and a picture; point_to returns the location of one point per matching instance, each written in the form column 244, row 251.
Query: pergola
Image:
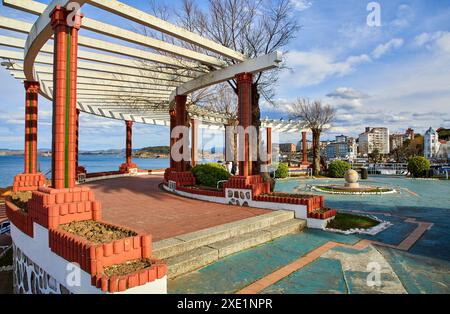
column 127, row 76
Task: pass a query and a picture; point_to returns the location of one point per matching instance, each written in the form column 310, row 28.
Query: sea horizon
column 10, row 166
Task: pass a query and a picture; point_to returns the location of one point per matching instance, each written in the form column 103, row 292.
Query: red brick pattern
column 125, row 167
column 140, row 203
column 202, row 192
column 31, row 118
column 19, row 218
column 181, row 178
column 64, row 136
column 254, row 183
column 28, row 182
column 304, row 149
column 328, row 214
column 50, row 207
column 269, row 145
column 173, row 123
column 194, row 142
column 92, row 258
column 181, row 120
column 244, row 84
column 121, row 283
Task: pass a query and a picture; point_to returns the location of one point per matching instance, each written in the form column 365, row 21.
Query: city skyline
column 396, row 75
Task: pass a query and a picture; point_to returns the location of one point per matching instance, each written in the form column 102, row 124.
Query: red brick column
column 181, row 120
column 269, row 146
column 30, row 179
column 31, row 120
column 125, row 167
column 304, row 149
column 129, row 141
column 244, row 83
column 173, row 123
column 64, row 98
column 194, row 142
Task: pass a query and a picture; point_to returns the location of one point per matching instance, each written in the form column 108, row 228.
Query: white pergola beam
column 256, row 65
column 24, row 27
column 148, row 20
column 122, row 34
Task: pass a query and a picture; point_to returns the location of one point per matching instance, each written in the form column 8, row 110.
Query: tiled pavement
column 138, row 202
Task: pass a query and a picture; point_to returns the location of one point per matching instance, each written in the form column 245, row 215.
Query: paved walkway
column 139, row 203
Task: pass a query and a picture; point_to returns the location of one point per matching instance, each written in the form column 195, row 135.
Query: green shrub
column 338, row 168
column 418, row 165
column 282, row 171
column 209, row 174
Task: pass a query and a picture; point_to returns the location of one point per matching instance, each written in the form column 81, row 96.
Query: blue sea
column 12, row 165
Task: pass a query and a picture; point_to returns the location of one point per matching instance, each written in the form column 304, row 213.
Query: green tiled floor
column 235, row 272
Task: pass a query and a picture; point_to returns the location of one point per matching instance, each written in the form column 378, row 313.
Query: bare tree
column 251, row 27
column 317, row 117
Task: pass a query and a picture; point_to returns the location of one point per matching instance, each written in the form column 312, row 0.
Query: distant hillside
column 156, row 149
column 153, row 152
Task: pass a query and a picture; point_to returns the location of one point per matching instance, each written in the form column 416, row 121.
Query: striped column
column 77, row 137
column 129, row 143
column 173, row 123
column 181, row 119
column 31, row 121
column 269, row 146
column 244, row 84
column 64, row 97
column 194, row 142
column 304, row 149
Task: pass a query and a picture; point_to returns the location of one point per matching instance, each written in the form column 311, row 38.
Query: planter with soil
column 130, row 274
column 322, row 213
column 21, row 199
column 97, row 244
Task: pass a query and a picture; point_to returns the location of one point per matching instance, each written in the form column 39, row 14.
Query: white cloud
column 382, row 49
column 405, row 16
column 347, row 93
column 437, row 40
column 301, row 5
column 311, row 68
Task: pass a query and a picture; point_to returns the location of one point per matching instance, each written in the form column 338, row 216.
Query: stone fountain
column 352, row 186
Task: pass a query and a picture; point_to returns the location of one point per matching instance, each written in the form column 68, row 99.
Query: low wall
column 37, row 269
column 92, row 177
column 58, row 256
column 245, row 198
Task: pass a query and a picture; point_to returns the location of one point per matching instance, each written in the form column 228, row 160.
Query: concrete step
column 199, row 257
column 187, row 242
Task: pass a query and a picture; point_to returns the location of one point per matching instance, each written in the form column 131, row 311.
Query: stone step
column 174, row 246
column 202, row 256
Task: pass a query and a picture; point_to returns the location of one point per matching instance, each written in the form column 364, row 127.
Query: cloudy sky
column 395, row 75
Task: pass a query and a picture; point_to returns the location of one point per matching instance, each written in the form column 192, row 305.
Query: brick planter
column 28, row 182
column 19, row 218
column 92, row 258
column 51, row 208
column 115, row 284
column 326, row 215
column 202, row 192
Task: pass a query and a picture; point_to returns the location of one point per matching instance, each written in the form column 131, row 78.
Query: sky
column 394, row 74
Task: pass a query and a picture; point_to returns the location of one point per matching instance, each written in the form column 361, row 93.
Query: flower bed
column 345, row 222
column 322, row 213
